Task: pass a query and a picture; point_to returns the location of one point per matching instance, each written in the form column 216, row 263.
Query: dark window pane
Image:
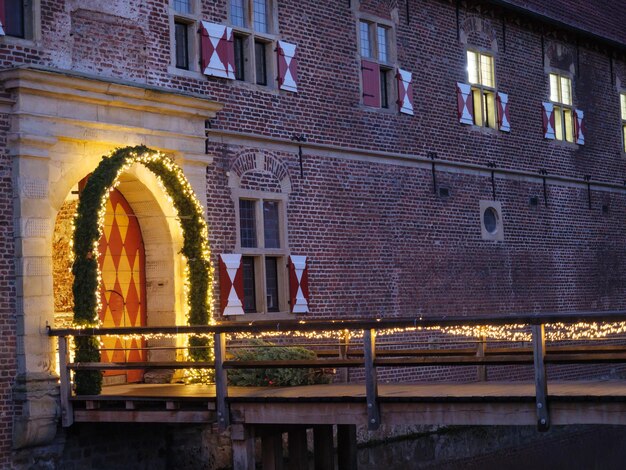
column 247, row 223
column 271, row 282
column 384, row 97
column 270, row 224
column 249, row 297
column 239, row 58
column 14, row 18
column 490, row 219
column 261, row 63
column 182, row 45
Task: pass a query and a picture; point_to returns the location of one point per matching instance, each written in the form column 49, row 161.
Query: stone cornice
column 86, row 89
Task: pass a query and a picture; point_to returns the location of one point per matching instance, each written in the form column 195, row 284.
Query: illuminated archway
column 88, row 229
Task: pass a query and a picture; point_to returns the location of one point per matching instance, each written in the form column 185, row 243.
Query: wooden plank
column 139, row 416
column 272, row 452
column 541, row 383
column 323, row 447
column 301, row 363
column 221, row 382
column 298, row 449
column 67, row 409
column 454, row 361
column 242, row 441
column 139, row 365
column 346, row 447
column 371, row 381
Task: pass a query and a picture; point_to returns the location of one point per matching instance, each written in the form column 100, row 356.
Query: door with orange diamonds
column 123, row 286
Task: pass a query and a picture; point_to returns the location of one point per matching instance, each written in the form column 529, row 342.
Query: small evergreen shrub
column 264, row 351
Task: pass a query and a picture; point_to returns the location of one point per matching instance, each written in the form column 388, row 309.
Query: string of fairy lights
column 513, row 332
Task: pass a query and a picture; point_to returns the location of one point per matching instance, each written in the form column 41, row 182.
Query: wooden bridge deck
column 475, row 403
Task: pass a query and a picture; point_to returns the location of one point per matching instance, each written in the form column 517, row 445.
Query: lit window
column 264, row 255
column 253, row 25
column 561, row 96
column 481, row 76
column 623, row 107
column 376, row 47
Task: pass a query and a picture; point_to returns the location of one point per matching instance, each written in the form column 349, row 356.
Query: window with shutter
column 218, row 53
column 262, row 240
column 298, row 284
column 232, row 292
column 287, row 66
column 465, row 104
column 378, row 63
column 503, row 112
column 405, row 91
column 564, row 120
column 254, row 24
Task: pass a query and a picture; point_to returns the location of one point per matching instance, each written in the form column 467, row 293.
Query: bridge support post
column 272, row 451
column 298, row 451
column 242, row 438
column 346, row 447
column 323, row 448
column 67, row 410
column 221, row 382
column 541, row 384
column 371, row 380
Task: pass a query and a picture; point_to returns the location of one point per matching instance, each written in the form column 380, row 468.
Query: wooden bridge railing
column 370, row 357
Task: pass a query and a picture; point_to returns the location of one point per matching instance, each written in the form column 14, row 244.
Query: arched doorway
column 123, row 286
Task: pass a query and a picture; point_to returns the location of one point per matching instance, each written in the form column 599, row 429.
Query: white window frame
column 251, row 36
column 193, row 20
column 260, row 252
column 561, row 108
column 481, row 92
column 388, row 67
column 622, row 98
column 32, row 25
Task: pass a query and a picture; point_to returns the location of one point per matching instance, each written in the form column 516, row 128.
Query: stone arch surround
column 61, row 126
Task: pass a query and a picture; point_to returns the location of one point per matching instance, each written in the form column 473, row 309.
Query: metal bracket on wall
column 544, row 173
column 493, row 179
column 408, row 13
column 433, row 156
column 588, row 180
column 300, row 138
column 541, row 385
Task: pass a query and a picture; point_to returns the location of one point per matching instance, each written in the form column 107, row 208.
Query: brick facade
column 361, row 204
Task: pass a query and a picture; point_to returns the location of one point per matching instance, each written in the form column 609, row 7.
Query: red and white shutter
column 298, row 284
column 218, row 50
column 287, row 67
column 579, row 126
column 3, row 17
column 548, row 121
column 231, row 284
column 465, row 103
column 503, row 112
column 370, row 72
column 405, row 91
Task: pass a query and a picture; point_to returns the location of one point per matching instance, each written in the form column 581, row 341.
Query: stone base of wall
column 176, row 447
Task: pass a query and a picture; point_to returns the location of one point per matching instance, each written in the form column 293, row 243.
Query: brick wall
column 7, row 300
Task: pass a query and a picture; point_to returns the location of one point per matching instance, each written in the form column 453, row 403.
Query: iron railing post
column 67, row 410
column 371, row 381
column 541, row 384
column 221, row 382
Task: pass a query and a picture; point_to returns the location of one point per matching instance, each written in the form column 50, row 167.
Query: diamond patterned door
column 123, row 287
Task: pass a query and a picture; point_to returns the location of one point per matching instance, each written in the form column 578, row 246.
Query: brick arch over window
column 480, row 32
column 560, row 56
column 259, row 170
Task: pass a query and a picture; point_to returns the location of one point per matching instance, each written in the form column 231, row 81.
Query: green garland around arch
column 88, row 229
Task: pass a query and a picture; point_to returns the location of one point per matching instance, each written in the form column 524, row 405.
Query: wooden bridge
column 364, row 346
